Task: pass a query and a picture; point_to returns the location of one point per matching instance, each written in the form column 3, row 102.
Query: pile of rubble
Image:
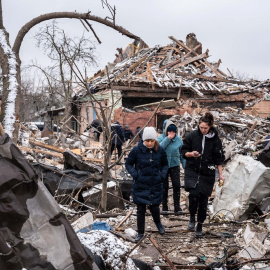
column 168, row 69
column 240, row 133
column 235, row 215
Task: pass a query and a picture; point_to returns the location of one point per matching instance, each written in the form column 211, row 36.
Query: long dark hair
column 207, row 118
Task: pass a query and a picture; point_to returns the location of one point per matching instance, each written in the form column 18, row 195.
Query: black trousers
column 118, row 147
column 198, row 204
column 174, row 173
column 141, row 209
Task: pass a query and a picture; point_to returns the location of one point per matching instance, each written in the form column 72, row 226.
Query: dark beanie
column 171, row 128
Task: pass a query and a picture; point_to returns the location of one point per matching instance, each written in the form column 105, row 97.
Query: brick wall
column 260, row 109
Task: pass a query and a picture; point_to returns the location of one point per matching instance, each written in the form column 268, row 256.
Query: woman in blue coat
column 147, row 164
column 172, row 144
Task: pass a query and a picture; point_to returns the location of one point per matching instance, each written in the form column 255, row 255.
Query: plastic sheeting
column 247, row 183
column 34, row 234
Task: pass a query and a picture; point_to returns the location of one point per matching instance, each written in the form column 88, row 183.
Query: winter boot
column 160, row 228
column 139, row 237
column 199, row 230
column 191, row 224
column 164, row 210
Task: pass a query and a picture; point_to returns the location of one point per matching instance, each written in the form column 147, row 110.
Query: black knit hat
column 172, row 128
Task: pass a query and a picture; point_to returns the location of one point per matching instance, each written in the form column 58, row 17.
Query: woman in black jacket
column 202, row 149
column 147, row 164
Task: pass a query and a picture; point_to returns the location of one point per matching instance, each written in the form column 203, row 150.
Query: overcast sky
column 235, row 31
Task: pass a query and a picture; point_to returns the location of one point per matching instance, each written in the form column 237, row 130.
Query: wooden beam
column 193, row 59
column 193, row 51
column 187, row 61
column 150, row 75
column 97, row 75
column 44, row 145
column 187, row 49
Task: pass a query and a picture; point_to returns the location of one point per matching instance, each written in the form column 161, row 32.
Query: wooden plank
column 44, row 145
column 193, row 59
column 33, row 150
column 187, row 61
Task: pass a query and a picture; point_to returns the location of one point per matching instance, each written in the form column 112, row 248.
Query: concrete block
column 254, row 250
column 253, row 231
column 83, row 221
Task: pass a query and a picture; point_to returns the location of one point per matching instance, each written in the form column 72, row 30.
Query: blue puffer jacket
column 148, row 167
column 172, row 147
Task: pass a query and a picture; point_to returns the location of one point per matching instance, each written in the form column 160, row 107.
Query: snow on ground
column 109, row 247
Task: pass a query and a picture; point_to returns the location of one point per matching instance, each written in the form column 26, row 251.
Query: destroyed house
column 179, row 72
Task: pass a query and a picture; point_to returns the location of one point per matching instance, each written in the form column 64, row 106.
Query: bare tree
column 11, row 63
column 54, row 41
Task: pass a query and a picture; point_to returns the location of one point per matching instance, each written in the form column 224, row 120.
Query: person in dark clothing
column 147, row 164
column 118, row 137
column 128, row 133
column 137, row 131
column 97, row 125
column 172, row 144
column 202, row 149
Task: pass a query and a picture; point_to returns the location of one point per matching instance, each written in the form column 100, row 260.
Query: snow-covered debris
column 109, row 248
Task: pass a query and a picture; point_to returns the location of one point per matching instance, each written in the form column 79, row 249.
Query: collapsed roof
column 168, row 69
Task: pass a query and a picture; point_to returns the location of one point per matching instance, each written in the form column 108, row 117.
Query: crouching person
column 147, row 164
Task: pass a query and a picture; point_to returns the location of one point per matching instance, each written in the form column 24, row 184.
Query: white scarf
column 208, row 135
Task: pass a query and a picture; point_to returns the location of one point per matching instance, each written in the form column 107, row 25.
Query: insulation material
column 247, row 183
column 34, row 233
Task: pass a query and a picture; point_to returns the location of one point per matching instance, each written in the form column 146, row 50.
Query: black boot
column 191, row 224
column 199, row 230
column 164, row 210
column 160, row 228
column 139, row 237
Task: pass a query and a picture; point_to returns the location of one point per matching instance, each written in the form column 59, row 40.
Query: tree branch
column 72, row 15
